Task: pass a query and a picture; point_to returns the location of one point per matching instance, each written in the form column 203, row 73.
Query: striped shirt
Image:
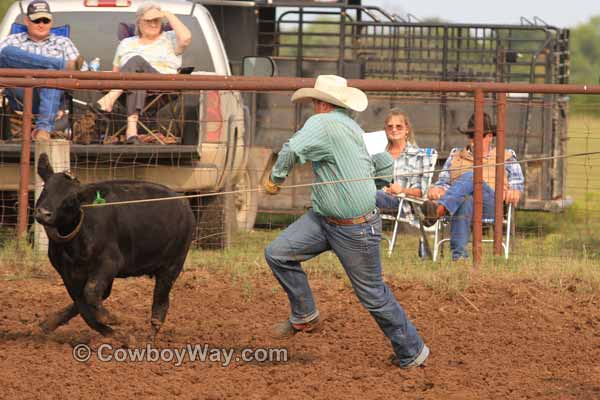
column 334, row 143
column 53, row 46
column 514, row 173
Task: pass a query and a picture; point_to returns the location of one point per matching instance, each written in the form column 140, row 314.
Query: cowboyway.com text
column 178, row 355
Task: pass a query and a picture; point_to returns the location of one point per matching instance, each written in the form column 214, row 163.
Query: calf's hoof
column 48, row 325
column 155, row 325
column 108, row 318
column 106, row 331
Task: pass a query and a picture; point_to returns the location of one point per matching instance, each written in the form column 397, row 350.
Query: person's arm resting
column 515, row 178
column 71, row 53
column 437, row 190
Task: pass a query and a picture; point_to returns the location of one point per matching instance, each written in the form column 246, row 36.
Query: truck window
column 96, row 35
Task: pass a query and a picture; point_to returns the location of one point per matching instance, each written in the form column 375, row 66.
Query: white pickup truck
column 214, row 148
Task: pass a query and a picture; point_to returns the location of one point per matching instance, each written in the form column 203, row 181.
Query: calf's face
column 58, row 202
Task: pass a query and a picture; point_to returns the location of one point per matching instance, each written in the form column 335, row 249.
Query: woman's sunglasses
column 153, row 21
column 398, row 127
column 44, row 21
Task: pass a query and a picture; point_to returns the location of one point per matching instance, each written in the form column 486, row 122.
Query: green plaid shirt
column 333, row 142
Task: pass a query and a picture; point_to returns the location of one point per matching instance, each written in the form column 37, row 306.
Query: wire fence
column 204, row 142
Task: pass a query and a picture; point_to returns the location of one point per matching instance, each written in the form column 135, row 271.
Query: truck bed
column 12, row 151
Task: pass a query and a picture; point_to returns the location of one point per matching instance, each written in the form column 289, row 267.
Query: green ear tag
column 99, row 199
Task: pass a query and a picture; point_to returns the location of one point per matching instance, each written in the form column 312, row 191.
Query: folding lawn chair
column 11, row 120
column 442, row 231
column 408, row 208
column 165, row 112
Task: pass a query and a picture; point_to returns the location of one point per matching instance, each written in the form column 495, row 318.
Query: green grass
column 574, row 232
column 583, row 179
column 580, row 227
column 18, row 260
column 546, row 260
column 542, row 260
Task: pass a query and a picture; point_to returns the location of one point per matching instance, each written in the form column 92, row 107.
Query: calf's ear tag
column 99, row 199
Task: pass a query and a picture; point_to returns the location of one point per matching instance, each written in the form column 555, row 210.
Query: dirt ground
column 495, row 340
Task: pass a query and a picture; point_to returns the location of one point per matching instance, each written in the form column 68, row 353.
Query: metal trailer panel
column 354, row 41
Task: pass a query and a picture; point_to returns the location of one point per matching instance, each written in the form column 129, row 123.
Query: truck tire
column 246, row 203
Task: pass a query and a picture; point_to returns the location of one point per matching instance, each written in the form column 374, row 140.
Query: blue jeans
column 357, row 247
column 386, row 201
column 46, row 101
column 458, row 200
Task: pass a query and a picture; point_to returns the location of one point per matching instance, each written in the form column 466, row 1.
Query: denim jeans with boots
column 357, row 247
column 46, row 102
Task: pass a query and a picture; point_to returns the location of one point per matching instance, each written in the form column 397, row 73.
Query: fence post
column 500, row 168
column 58, row 152
column 478, row 179
column 23, row 217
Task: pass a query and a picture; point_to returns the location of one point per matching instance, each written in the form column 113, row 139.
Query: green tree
column 585, row 52
column 585, row 61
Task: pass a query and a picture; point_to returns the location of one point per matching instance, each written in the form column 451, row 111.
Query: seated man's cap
column 38, row 9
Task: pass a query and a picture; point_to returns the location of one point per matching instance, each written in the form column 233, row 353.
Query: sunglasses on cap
column 41, row 21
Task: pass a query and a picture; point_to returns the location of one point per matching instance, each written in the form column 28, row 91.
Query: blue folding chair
column 63, row 30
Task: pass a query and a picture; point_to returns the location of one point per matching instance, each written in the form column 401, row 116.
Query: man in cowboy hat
column 453, row 192
column 343, row 218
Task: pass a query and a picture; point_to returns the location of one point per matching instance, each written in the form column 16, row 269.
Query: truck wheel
column 246, row 203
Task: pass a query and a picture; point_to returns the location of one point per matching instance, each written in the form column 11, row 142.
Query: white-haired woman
column 151, row 50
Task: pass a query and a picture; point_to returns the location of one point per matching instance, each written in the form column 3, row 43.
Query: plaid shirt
column 408, row 168
column 54, row 46
column 408, row 173
column 514, row 173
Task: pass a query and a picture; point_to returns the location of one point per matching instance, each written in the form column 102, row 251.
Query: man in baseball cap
column 38, row 9
column 38, row 48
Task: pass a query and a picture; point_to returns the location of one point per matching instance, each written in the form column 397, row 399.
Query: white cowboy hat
column 334, row 89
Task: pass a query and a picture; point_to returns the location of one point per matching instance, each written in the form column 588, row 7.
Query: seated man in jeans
column 453, row 192
column 38, row 49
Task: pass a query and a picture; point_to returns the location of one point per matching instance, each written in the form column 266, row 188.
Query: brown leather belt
column 352, row 221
